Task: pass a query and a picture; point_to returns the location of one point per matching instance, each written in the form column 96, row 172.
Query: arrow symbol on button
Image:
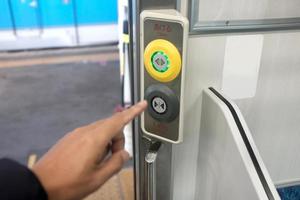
column 160, row 61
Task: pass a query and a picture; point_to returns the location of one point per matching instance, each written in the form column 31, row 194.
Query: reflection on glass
column 273, row 114
column 224, row 10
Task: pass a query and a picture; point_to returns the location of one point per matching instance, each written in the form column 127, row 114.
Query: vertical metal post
column 150, row 170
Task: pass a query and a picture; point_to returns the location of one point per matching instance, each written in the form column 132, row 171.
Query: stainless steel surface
column 156, row 176
column 217, row 24
column 150, row 177
column 150, row 166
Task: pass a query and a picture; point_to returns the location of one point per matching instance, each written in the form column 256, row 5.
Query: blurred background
column 28, row 24
column 62, row 65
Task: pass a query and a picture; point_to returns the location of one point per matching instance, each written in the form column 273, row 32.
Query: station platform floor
column 45, row 94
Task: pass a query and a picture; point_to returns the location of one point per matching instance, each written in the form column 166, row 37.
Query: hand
column 80, row 162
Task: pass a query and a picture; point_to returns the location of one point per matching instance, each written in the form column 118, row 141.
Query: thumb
column 113, row 165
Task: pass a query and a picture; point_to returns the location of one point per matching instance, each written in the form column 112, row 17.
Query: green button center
column 160, row 61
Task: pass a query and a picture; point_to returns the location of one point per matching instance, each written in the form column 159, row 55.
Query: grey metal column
column 163, row 162
column 150, row 170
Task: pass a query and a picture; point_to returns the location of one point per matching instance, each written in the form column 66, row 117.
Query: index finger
column 129, row 114
column 113, row 125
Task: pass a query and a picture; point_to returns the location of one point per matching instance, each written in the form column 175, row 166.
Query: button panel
column 163, row 46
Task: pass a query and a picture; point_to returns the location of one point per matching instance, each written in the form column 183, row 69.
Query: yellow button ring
column 162, row 60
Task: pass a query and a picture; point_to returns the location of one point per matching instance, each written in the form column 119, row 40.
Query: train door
column 6, row 27
column 31, row 24
column 59, row 23
column 27, row 17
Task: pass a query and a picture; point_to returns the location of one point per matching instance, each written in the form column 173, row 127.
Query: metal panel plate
column 170, row 130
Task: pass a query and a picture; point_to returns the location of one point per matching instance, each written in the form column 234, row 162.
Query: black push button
column 163, row 104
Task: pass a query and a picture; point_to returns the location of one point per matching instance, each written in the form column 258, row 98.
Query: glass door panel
column 273, row 111
column 224, row 10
